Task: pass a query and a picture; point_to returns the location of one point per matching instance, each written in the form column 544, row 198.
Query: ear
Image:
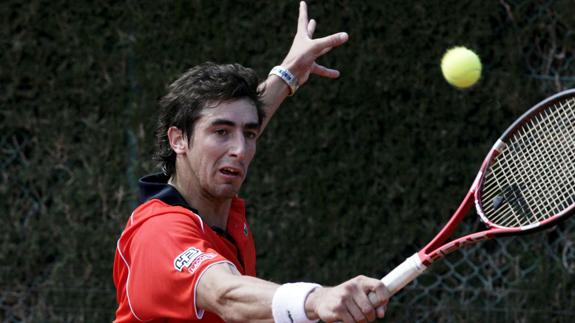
column 178, row 141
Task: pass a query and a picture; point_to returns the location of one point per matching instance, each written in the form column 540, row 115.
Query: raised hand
column 304, row 51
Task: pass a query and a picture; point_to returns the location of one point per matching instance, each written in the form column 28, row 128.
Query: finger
column 367, row 309
column 367, row 304
column 311, row 27
column 330, row 41
column 373, row 299
column 382, row 294
column 324, row 51
column 381, row 311
column 302, row 19
column 355, row 310
column 345, row 318
column 324, row 71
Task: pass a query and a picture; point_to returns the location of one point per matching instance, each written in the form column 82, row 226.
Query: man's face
column 222, row 147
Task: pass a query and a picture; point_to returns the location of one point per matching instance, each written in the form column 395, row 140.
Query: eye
column 251, row 134
column 222, row 132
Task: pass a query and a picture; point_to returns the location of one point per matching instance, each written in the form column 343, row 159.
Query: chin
column 226, row 193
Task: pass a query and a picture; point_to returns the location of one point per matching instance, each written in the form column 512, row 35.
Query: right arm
column 237, row 298
column 173, row 272
column 234, row 297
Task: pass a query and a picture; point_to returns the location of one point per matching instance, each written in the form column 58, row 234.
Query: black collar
column 155, row 186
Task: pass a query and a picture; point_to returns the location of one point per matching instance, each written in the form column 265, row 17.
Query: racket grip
column 403, row 274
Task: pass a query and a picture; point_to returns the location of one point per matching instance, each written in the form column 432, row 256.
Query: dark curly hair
column 204, row 85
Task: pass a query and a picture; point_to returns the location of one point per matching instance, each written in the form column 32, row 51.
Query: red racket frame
column 437, row 248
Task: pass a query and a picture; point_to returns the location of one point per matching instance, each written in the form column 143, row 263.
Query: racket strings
column 547, row 178
column 538, row 190
column 533, row 178
column 546, row 163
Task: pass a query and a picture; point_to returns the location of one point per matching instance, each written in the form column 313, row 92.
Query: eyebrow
column 225, row 122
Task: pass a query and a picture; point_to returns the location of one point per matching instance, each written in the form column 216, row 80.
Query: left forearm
column 300, row 62
column 273, row 92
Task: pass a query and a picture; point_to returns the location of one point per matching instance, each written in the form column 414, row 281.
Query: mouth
column 231, row 171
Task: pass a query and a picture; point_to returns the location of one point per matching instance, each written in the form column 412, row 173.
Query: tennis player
column 187, row 253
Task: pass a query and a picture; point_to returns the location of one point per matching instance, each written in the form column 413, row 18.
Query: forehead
column 241, row 112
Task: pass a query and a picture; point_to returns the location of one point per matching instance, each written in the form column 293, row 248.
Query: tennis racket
column 525, row 184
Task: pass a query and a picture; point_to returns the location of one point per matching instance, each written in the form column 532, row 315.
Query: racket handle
column 400, row 276
column 403, row 274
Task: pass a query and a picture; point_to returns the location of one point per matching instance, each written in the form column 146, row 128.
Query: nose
column 238, row 147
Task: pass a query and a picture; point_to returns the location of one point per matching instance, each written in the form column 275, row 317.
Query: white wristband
column 287, row 76
column 288, row 303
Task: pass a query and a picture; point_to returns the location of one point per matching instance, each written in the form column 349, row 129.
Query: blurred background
column 351, row 176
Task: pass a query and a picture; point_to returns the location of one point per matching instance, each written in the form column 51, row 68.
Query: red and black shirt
column 164, row 250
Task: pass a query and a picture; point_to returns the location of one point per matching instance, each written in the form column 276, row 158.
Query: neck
column 213, row 211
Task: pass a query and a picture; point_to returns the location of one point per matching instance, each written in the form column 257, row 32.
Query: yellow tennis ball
column 461, row 67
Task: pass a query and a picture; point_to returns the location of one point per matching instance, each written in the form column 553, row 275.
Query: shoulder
column 156, row 220
column 157, row 213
